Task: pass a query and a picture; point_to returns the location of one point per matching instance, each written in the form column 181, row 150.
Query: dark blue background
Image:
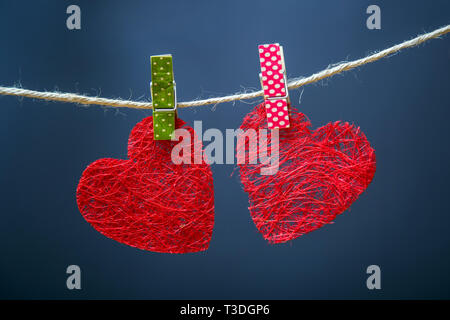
column 401, row 223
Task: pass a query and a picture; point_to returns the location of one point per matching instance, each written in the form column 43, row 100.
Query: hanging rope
column 293, row 84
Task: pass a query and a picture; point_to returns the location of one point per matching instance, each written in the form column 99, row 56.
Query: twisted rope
column 293, row 84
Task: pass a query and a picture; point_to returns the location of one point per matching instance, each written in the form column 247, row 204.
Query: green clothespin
column 164, row 97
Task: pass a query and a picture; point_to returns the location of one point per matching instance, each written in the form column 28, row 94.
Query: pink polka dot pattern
column 274, row 85
column 277, row 114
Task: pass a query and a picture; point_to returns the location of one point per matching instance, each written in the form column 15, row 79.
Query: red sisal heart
column 320, row 174
column 149, row 202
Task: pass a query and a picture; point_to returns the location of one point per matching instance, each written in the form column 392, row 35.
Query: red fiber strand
column 320, row 174
column 149, row 202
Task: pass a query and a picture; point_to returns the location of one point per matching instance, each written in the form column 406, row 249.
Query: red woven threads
column 148, row 202
column 320, row 174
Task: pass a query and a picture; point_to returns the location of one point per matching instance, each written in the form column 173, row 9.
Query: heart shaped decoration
column 149, row 202
column 320, row 174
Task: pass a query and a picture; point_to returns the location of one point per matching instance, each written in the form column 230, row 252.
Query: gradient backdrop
column 401, row 223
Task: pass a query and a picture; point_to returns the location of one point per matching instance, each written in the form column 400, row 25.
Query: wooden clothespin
column 164, row 96
column 274, row 83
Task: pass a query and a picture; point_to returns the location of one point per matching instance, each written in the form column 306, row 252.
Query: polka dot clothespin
column 164, row 97
column 274, row 83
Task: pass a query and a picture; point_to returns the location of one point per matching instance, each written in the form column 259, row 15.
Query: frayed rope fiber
column 293, row 84
column 321, row 173
column 147, row 201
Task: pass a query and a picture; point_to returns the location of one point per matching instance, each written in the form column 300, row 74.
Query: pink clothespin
column 274, row 83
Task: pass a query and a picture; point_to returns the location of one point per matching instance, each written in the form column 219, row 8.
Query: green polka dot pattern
column 163, row 96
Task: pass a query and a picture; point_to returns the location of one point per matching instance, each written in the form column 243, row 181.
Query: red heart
column 320, row 174
column 149, row 202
